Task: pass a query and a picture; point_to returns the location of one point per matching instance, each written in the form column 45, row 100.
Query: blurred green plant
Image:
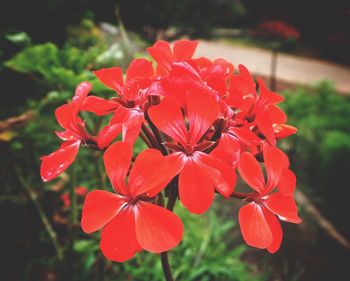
column 322, row 145
column 58, row 69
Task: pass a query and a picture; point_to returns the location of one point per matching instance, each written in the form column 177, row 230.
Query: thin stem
column 45, row 221
column 240, row 195
column 150, row 136
column 173, row 192
column 166, row 267
column 102, row 172
column 156, row 134
column 145, row 140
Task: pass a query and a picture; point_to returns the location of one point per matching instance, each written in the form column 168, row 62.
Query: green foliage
column 60, row 69
column 321, row 149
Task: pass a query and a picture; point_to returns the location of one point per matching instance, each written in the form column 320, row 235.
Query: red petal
column 244, row 72
column 245, row 135
column 217, row 75
column 176, row 161
column 57, row 162
column 117, row 160
column 287, row 182
column 283, row 206
column 276, row 230
column 65, row 115
column 202, row 62
column 228, row 149
column 167, row 116
column 276, row 114
column 132, row 127
column 150, row 170
column 100, row 207
column 225, row 180
column 251, row 172
column 195, row 187
column 284, row 130
column 182, row 81
column 161, row 53
column 108, row 134
column 275, row 162
column 264, row 123
column 98, row 105
column 115, row 126
column 255, row 229
column 66, row 135
column 118, row 238
column 267, row 97
column 157, row 229
column 81, row 91
column 111, row 77
column 202, row 111
column 184, row 49
column 139, row 68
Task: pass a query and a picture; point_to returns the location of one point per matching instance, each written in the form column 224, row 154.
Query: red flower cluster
column 276, row 29
column 201, row 121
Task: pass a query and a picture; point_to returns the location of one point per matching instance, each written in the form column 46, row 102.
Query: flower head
column 128, row 218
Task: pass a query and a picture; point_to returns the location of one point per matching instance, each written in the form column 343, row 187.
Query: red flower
column 74, row 135
column 276, row 29
column 207, row 121
column 129, row 106
column 65, row 199
column 164, row 55
column 255, row 110
column 80, row 191
column 200, row 172
column 129, row 221
column 258, row 220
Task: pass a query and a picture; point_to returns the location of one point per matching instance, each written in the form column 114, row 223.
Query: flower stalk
column 44, row 219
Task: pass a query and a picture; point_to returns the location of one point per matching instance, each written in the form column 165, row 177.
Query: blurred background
column 48, row 46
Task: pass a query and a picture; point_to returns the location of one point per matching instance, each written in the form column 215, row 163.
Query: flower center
column 189, row 149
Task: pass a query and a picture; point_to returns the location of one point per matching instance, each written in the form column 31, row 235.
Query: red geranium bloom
column 129, row 106
column 200, row 172
column 129, row 221
column 255, row 109
column 74, row 135
column 215, row 74
column 164, row 55
column 258, row 220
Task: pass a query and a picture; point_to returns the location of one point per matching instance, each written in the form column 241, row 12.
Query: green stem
column 173, row 192
column 166, row 267
column 150, row 136
column 156, row 134
column 45, row 221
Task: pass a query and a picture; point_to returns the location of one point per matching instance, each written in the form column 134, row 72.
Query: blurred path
column 290, row 69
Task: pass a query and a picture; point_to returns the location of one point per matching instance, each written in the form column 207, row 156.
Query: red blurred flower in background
column 81, row 191
column 276, row 29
